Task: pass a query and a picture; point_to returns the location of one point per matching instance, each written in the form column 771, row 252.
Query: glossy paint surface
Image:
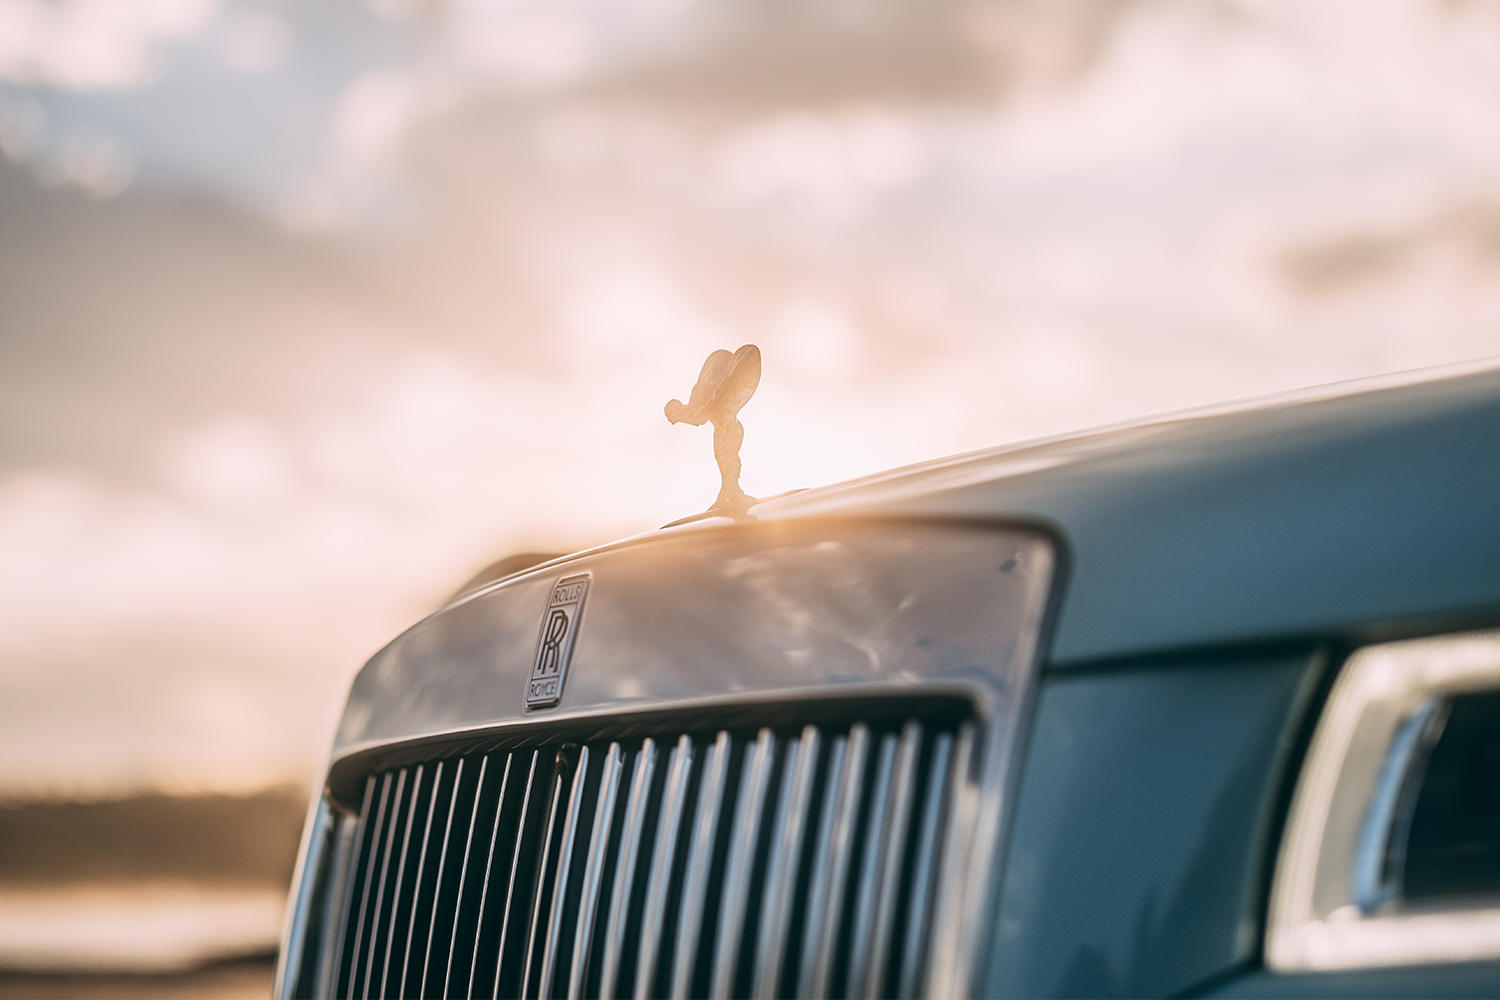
column 1477, row 980
column 1319, row 514
column 740, row 613
column 1145, row 804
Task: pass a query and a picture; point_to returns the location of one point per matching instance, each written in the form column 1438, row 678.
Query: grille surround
column 774, row 625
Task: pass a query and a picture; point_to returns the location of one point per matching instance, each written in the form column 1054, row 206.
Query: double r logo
column 554, row 643
column 549, row 657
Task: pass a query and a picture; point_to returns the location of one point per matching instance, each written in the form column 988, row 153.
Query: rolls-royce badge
column 554, row 646
column 725, row 384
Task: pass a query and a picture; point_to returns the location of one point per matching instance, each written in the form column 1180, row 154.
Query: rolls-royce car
column 1205, row 705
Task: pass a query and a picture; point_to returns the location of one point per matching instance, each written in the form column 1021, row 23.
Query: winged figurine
column 725, row 385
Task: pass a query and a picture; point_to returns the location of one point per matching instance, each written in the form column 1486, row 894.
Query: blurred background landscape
column 308, row 311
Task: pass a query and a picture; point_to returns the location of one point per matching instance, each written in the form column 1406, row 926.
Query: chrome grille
column 760, row 863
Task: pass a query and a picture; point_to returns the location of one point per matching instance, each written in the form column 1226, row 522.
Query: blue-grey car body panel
column 1309, row 517
column 1144, row 813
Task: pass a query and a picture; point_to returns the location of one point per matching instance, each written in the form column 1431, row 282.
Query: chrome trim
column 523, row 820
column 300, row 925
column 935, row 604
column 949, row 935
column 1388, row 818
column 564, row 864
column 593, row 869
column 390, row 933
column 781, row 869
column 364, row 897
column 336, row 959
column 411, row 926
column 921, row 888
column 464, row 869
column 759, row 858
column 630, row 844
column 674, row 794
column 556, row 634
column 342, row 863
column 784, row 612
column 820, row 879
column 700, row 856
column 868, row 885
column 1382, row 708
column 831, row 864
column 458, row 777
column 760, row 757
column 489, row 864
column 385, row 867
column 559, row 776
column 893, row 852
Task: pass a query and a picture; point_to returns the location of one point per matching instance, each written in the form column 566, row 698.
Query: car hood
column 1358, row 510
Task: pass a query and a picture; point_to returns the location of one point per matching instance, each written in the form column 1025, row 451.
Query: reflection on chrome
column 821, row 823
column 1338, row 900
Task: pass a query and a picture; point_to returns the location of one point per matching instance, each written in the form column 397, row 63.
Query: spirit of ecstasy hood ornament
column 725, row 384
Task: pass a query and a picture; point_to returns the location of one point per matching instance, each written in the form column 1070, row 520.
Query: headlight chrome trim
column 1331, row 905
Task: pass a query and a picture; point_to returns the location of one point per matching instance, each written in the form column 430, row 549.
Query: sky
column 310, row 310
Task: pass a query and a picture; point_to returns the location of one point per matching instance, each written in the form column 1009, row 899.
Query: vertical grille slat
column 593, row 872
column 508, row 966
column 674, row 796
column 384, row 892
column 948, row 929
column 810, row 861
column 786, row 856
column 508, row 820
column 540, row 876
column 893, row 852
column 695, row 883
column 867, row 886
column 442, row 879
column 826, row 911
column 327, row 963
column 356, row 957
column 630, row 845
column 921, row 882
column 455, row 945
column 564, row 865
column 341, row 961
column 422, row 894
column 401, row 899
column 760, row 758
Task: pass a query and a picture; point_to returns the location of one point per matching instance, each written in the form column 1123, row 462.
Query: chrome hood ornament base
column 725, row 385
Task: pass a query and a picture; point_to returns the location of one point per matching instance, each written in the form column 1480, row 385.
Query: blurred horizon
column 310, row 312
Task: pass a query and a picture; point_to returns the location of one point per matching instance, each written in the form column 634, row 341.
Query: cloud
column 256, row 41
column 92, row 44
column 1225, row 201
column 829, row 166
